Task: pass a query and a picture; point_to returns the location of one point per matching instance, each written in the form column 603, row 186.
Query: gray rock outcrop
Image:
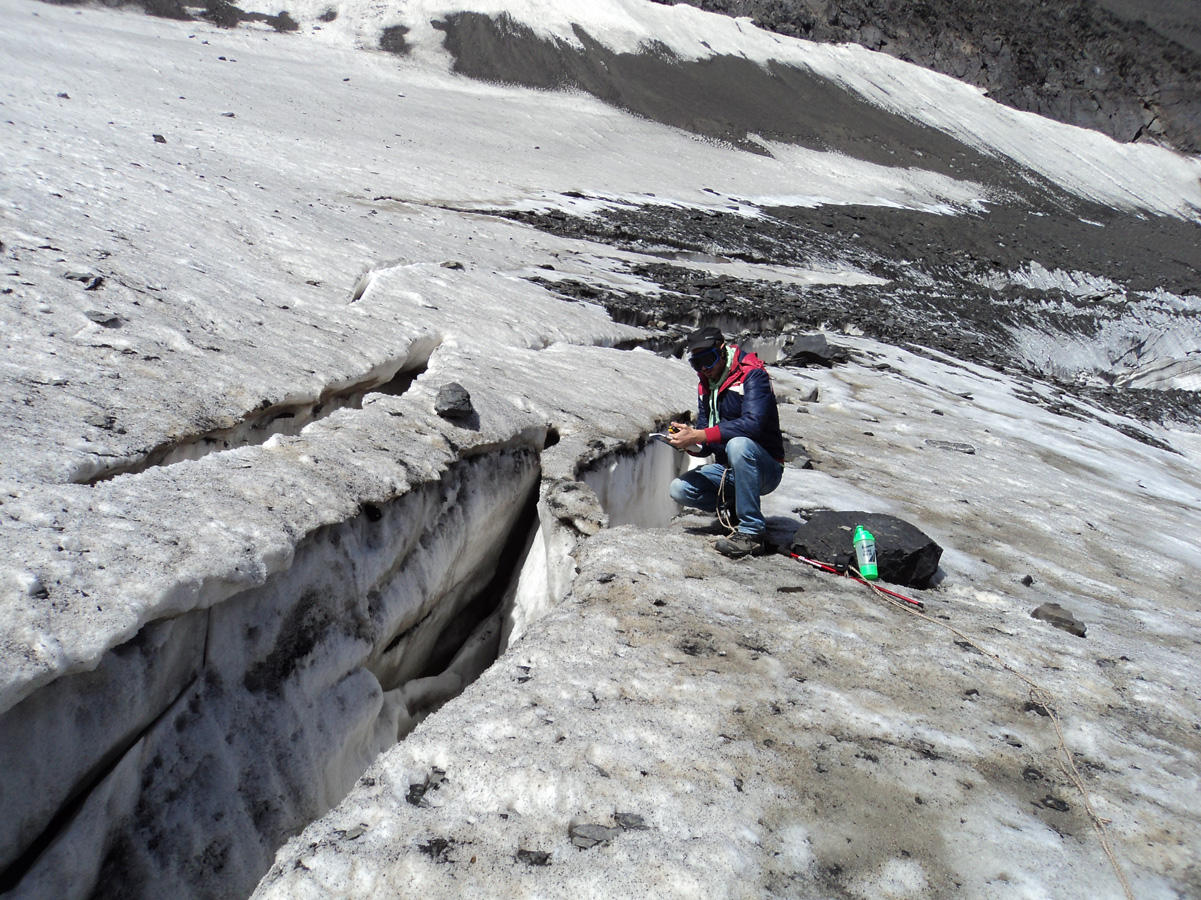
column 1128, row 72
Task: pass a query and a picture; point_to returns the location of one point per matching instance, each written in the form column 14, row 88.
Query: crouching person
column 738, row 422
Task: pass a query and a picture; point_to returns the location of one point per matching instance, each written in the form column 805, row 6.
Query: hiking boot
column 741, row 544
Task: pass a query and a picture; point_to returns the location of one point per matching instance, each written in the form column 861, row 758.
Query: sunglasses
column 705, row 359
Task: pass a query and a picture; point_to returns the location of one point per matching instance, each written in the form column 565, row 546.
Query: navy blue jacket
column 746, row 407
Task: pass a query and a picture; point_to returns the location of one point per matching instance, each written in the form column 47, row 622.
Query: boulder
column 904, row 554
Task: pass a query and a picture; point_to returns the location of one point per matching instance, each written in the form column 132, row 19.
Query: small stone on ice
column 453, row 402
column 587, row 836
column 104, row 319
column 630, row 821
column 1060, row 618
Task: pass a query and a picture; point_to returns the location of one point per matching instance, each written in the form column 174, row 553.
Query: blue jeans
column 750, row 475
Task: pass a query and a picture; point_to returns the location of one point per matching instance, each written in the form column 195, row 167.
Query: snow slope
column 243, row 557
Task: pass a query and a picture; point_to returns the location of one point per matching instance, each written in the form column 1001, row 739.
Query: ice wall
column 632, row 484
column 202, row 744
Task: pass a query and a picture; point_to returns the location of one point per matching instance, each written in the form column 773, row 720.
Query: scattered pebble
column 630, row 821
column 587, row 836
column 533, row 857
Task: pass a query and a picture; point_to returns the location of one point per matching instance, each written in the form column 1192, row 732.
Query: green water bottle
column 865, row 553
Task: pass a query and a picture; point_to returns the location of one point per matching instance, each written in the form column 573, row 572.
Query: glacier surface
column 253, row 587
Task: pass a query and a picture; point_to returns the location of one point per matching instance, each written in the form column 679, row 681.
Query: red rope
column 829, row 568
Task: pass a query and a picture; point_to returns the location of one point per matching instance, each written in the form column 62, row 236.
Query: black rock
column 1067, row 64
column 437, row 849
column 417, row 791
column 453, row 402
column 796, row 454
column 904, row 554
column 813, row 350
column 533, row 857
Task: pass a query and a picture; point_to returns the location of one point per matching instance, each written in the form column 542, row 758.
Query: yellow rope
column 1045, row 699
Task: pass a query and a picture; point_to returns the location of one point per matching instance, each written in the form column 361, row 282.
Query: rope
column 723, row 509
column 1038, row 695
column 858, row 577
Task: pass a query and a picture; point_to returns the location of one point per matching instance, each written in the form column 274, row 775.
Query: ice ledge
column 89, row 566
column 189, row 536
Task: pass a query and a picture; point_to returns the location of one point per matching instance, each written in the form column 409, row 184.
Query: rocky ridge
column 1133, row 76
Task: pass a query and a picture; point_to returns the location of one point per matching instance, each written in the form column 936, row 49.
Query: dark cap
column 705, row 338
